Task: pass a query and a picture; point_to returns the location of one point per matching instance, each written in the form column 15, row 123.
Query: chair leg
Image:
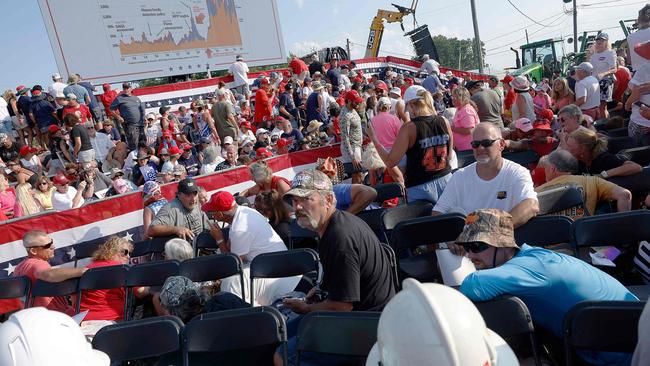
column 533, row 342
column 285, row 358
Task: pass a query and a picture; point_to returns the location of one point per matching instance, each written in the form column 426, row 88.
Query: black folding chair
column 147, row 274
column 393, row 216
column 141, row 248
column 247, row 336
column 642, row 292
column 15, row 288
column 102, row 278
column 605, row 326
column 543, row 231
column 373, row 219
column 616, row 144
column 302, row 237
column 388, row 191
column 561, row 200
column 283, row 264
column 157, row 244
column 349, row 334
column 214, row 267
column 620, row 228
column 204, row 241
column 85, row 250
column 139, row 339
column 523, row 158
column 509, row 317
column 50, row 289
column 412, row 233
column 393, row 263
column 639, row 155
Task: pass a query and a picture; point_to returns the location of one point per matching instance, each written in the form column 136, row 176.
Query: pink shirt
column 31, row 267
column 465, row 117
column 563, row 102
column 386, row 128
column 7, row 201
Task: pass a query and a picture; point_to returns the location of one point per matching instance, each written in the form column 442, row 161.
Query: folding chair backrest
column 102, row 278
column 606, row 326
column 427, row 230
column 611, row 229
column 85, row 250
column 151, row 273
column 639, row 155
column 204, row 241
column 211, row 267
column 139, row 339
column 564, row 200
column 393, row 216
column 340, row 333
column 545, row 230
column 393, row 263
column 299, row 234
column 373, row 219
column 157, row 244
column 14, row 287
column 387, row 191
column 523, row 158
column 49, row 289
column 236, row 337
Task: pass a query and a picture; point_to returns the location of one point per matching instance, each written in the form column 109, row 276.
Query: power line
column 588, row 7
column 520, row 39
column 524, row 14
column 522, row 28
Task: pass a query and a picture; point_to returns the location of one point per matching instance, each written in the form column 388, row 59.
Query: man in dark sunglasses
column 491, row 182
column 550, row 283
column 40, row 250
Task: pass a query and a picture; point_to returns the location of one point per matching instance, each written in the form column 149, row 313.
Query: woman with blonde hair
column 262, row 175
column 43, row 192
column 604, row 62
column 562, row 95
column 17, row 118
column 464, row 120
column 25, row 202
column 427, row 142
column 591, row 151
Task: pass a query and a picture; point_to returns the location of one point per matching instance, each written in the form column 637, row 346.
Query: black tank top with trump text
column 428, row 158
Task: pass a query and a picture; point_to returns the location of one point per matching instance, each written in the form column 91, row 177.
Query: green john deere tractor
column 541, row 59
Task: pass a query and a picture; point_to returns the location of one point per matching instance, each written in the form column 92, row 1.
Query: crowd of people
column 64, row 147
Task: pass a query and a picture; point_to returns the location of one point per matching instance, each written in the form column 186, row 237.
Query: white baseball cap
column 412, row 93
column 396, row 91
column 227, row 140
column 56, row 76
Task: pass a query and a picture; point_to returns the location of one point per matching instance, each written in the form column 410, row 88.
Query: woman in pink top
column 386, row 127
column 7, row 198
column 562, row 94
column 465, row 119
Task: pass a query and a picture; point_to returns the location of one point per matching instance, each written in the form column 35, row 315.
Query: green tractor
column 542, row 59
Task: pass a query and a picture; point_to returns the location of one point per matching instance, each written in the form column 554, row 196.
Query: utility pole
column 575, row 27
column 347, row 47
column 527, row 41
column 477, row 38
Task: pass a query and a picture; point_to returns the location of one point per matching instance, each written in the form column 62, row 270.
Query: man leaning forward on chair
column 548, row 282
column 356, row 270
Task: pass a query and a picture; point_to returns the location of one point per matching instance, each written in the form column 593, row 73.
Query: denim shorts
column 429, row 191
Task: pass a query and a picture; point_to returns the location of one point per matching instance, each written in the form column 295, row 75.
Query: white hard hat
column 38, row 336
column 428, row 324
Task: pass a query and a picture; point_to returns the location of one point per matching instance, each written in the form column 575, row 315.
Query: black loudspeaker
column 422, row 42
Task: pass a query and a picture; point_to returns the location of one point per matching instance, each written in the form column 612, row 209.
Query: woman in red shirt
column 263, row 99
column 264, row 179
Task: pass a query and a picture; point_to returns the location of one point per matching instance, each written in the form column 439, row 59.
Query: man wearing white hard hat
column 37, row 336
column 550, row 283
column 587, row 91
column 432, row 324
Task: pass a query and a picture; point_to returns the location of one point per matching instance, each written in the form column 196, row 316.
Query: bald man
column 490, row 182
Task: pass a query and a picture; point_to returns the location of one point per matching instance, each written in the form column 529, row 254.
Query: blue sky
column 28, row 59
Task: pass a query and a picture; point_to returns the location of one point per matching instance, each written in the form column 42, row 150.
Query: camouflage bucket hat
column 177, row 288
column 307, row 182
column 490, row 226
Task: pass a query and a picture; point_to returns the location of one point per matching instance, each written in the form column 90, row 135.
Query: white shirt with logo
column 603, row 61
column 588, row 87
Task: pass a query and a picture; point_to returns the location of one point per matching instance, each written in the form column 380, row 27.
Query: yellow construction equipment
column 377, row 25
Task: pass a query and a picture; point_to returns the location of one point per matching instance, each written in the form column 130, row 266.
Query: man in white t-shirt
column 56, row 87
column 239, row 71
column 587, row 91
column 491, row 182
column 66, row 197
column 639, row 126
column 429, row 65
column 641, row 35
column 100, row 141
column 250, row 233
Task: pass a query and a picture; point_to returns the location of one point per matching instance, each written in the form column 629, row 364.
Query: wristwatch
column 604, row 174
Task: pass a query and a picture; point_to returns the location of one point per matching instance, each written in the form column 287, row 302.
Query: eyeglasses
column 48, row 245
column 485, row 143
column 90, row 128
column 475, row 247
column 42, row 183
column 125, row 252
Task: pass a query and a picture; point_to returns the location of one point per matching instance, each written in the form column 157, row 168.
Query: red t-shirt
column 275, row 180
column 510, row 98
column 106, row 99
column 103, row 304
column 81, row 111
column 262, row 108
column 297, row 66
column 31, row 267
column 623, row 77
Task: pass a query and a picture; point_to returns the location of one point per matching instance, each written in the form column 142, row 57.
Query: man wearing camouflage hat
column 550, row 283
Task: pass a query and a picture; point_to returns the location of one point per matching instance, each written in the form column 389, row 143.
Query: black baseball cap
column 187, row 186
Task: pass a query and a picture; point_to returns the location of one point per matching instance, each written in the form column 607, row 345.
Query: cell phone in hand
column 641, row 104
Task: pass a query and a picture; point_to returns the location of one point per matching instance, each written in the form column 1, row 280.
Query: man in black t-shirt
column 9, row 150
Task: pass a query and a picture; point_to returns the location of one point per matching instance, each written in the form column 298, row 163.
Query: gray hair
column 178, row 249
column 562, row 160
column 260, row 171
column 571, row 110
column 31, row 235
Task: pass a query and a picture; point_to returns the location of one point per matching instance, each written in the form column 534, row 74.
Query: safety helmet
column 38, row 336
column 427, row 324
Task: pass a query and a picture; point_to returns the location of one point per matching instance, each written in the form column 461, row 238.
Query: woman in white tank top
column 523, row 105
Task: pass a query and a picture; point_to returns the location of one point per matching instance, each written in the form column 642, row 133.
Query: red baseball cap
column 186, row 147
column 381, row 85
column 263, row 152
column 542, row 125
column 174, row 150
column 53, row 129
column 507, row 79
column 27, row 150
column 220, row 201
column 60, row 179
column 246, row 124
column 20, row 87
column 264, row 81
column 353, row 96
column 106, row 86
column 340, row 101
column 282, row 142
column 546, row 114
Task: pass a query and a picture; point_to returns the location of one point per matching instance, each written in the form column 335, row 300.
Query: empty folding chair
column 373, row 219
column 102, row 278
column 204, row 241
column 235, row 337
column 214, row 267
column 140, row 339
column 523, row 158
column 543, row 231
column 15, row 288
column 302, row 237
column 51, row 289
column 412, row 233
column 564, row 200
column 85, row 250
column 509, row 317
column 282, row 264
column 639, row 155
column 393, row 263
column 611, row 229
column 603, row 326
column 349, row 334
column 393, row 216
column 147, row 274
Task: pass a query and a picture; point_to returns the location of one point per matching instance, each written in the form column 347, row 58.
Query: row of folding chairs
column 206, row 268
column 237, row 337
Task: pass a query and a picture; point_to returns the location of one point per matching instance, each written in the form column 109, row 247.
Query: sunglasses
column 90, row 128
column 48, row 245
column 485, row 143
column 42, row 183
column 475, row 247
column 125, row 252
